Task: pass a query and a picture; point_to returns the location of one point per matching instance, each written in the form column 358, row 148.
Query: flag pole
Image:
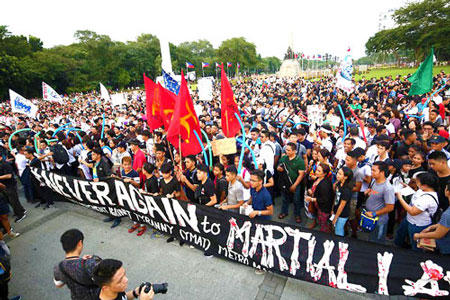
column 203, row 71
column 181, row 156
column 171, row 154
column 226, row 122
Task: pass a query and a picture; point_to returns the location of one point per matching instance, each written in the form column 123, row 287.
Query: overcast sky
column 317, row 27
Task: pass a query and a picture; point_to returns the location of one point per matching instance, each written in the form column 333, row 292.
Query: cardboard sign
column 224, row 146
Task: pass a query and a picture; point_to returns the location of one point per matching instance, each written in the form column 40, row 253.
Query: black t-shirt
column 120, row 296
column 191, row 176
column 204, row 192
column 443, row 201
column 78, row 271
column 170, row 187
column 343, row 193
column 221, row 186
column 414, row 171
column 5, row 168
column 151, row 185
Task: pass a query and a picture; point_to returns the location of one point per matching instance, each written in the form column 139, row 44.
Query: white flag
column 166, row 62
column 21, row 105
column 344, row 75
column 104, row 92
column 49, row 94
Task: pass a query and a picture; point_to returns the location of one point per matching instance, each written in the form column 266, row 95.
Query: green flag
column 422, row 80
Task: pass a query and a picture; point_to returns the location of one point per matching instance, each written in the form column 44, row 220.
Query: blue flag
column 170, row 83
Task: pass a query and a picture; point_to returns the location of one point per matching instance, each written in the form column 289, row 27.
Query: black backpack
column 437, row 215
column 60, row 155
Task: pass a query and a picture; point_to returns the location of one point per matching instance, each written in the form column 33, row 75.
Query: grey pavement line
column 49, row 217
column 272, row 287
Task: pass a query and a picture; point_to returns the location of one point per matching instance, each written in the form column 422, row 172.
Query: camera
column 158, row 288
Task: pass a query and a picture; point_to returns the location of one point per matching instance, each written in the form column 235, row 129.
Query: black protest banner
column 288, row 250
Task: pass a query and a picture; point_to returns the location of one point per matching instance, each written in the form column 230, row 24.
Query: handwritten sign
column 224, row 146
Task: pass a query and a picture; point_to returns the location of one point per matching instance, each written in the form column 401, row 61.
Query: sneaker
column 181, row 244
column 171, row 239
column 16, row 298
column 108, row 219
column 141, row 231
column 192, row 247
column 38, row 205
column 49, row 206
column 207, row 255
column 13, row 234
column 116, row 223
column 133, row 228
column 20, row 218
column 260, row 272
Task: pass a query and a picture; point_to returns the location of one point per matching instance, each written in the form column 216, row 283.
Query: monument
column 290, row 66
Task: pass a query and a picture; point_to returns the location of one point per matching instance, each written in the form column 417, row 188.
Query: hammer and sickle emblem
column 183, row 120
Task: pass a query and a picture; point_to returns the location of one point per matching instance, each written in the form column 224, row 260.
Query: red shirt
column 138, row 162
column 442, row 111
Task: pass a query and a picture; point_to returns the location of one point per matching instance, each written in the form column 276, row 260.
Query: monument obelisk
column 290, row 66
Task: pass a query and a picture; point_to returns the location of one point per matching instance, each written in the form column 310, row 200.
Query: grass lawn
column 398, row 71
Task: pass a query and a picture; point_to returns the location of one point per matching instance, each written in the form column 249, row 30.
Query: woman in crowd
column 321, row 194
column 341, row 208
column 441, row 231
column 424, row 204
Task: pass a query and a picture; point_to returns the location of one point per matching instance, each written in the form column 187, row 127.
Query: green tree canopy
column 420, row 25
column 94, row 58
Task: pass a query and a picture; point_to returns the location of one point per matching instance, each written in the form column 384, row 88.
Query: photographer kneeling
column 110, row 275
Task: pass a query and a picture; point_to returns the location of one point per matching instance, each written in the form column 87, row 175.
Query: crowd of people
column 391, row 168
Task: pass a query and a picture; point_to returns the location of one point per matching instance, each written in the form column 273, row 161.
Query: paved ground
column 190, row 275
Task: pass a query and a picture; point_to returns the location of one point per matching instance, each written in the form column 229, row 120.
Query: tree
column 420, row 26
column 238, row 50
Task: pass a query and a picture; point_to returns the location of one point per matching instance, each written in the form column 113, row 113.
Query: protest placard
column 224, row 146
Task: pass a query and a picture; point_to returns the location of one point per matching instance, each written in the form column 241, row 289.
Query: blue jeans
column 407, row 229
column 378, row 235
column 294, row 197
column 25, row 179
column 340, row 224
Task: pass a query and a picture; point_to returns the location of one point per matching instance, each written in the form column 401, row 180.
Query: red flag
column 184, row 123
column 152, row 104
column 230, row 124
column 167, row 105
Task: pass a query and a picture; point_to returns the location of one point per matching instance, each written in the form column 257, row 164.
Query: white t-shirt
column 359, row 143
column 366, row 171
column 245, row 174
column 426, row 203
column 327, row 144
column 85, row 169
column 21, row 162
column 390, row 128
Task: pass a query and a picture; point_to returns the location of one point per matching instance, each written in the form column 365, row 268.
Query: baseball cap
column 436, row 139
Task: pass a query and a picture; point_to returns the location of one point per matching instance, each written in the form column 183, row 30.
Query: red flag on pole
column 184, row 123
column 152, row 104
column 167, row 105
column 230, row 124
